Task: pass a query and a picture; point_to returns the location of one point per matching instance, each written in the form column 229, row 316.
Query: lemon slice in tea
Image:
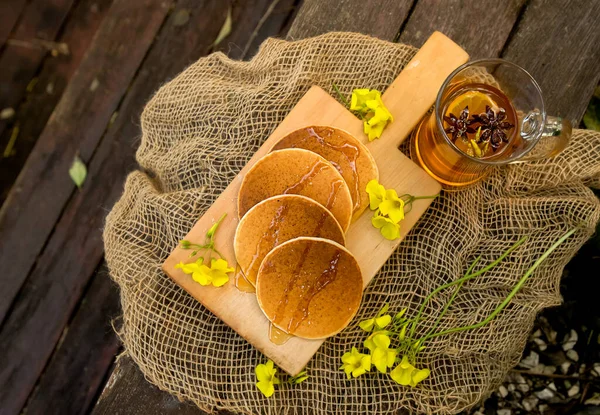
column 475, row 100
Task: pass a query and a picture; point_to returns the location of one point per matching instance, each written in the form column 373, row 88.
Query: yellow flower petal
column 401, row 376
column 383, row 321
column 221, row 265
column 266, row 388
column 390, row 231
column 381, row 341
column 355, row 363
column 367, row 325
column 188, row 268
column 379, row 359
column 376, row 194
column 261, row 372
column 418, row 376
column 203, row 278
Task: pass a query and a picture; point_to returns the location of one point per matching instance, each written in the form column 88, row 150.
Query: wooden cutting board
column 408, row 98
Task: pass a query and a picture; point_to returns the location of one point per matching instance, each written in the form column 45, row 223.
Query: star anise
column 459, row 126
column 493, row 126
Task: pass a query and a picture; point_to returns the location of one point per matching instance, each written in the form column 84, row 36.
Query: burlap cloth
column 198, row 132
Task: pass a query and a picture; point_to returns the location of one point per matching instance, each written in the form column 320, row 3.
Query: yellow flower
column 370, row 106
column 376, row 193
column 407, row 375
column 355, row 363
column 388, row 228
column 376, row 322
column 363, row 100
column 267, row 378
column 202, row 274
column 392, row 206
column 374, row 126
column 218, row 272
column 381, row 354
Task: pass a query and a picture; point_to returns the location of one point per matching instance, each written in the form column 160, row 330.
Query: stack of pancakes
column 295, row 205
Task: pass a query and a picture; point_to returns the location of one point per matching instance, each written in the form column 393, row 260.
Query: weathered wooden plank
column 558, row 43
column 10, row 11
column 41, row 20
column 33, row 113
column 75, row 246
column 128, row 392
column 76, row 125
column 86, row 352
column 380, row 18
column 481, row 27
column 42, row 190
column 268, row 18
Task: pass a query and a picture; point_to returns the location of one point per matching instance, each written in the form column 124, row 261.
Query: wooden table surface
column 57, row 346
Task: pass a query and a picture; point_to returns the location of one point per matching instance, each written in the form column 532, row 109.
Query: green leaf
column 225, row 29
column 78, row 171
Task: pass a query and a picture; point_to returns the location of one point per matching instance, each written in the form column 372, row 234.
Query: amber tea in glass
column 487, row 113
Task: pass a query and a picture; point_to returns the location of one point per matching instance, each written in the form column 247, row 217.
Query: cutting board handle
column 429, row 78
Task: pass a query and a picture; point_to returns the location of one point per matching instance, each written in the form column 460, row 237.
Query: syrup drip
column 268, row 242
column 242, row 283
column 351, row 153
column 327, row 277
column 317, row 168
column 281, row 306
column 278, row 336
column 335, row 187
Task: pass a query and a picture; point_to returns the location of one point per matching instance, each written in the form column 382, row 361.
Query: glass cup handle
column 555, row 138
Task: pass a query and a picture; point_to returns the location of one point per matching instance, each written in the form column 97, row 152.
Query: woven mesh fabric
column 201, row 128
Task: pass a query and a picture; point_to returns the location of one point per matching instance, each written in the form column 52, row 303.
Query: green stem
column 454, row 294
column 340, row 95
column 463, row 279
column 510, row 296
column 346, row 101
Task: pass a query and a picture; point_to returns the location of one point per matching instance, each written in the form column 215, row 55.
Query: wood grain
column 83, row 356
column 481, row 27
column 33, row 112
column 379, row 18
column 73, row 250
column 558, row 42
column 10, row 11
column 408, row 98
column 39, row 196
column 129, row 393
column 40, row 193
column 41, row 19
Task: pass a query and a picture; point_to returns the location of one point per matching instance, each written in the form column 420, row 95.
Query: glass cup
column 507, row 123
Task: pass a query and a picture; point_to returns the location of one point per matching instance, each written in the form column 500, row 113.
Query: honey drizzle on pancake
column 351, row 153
column 270, row 240
column 317, row 168
column 278, row 336
column 327, row 277
column 335, row 187
column 242, row 283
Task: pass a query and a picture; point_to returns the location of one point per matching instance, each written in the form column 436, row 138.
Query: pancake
column 309, row 287
column 276, row 220
column 297, row 171
column 347, row 154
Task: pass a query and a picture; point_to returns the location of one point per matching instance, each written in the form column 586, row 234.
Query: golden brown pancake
column 276, row 220
column 297, row 171
column 347, row 154
column 309, row 287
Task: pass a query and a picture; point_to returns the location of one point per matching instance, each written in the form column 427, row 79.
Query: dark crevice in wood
column 405, row 22
column 63, row 335
column 287, row 24
column 515, row 27
column 54, row 73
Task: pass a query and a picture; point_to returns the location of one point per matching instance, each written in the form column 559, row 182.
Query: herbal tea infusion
column 487, row 113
